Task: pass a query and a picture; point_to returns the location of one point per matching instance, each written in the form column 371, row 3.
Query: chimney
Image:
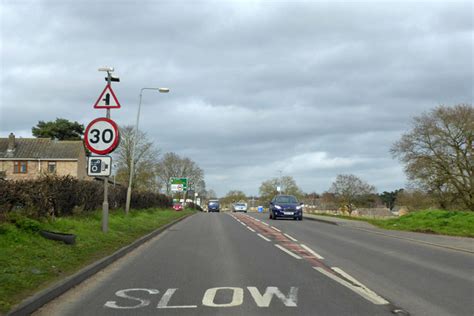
column 11, row 142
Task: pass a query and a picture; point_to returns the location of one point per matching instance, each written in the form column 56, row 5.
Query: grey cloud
column 319, row 88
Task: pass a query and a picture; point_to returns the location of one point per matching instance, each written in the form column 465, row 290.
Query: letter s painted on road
column 123, row 294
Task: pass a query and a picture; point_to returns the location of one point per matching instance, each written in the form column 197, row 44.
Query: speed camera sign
column 102, row 136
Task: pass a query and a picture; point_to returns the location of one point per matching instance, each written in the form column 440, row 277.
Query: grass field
column 29, row 263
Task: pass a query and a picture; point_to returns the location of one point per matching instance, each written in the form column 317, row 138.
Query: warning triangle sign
column 107, row 99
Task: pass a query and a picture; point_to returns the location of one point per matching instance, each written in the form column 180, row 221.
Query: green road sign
column 179, row 184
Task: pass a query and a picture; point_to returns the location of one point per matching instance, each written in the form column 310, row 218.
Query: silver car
column 239, row 207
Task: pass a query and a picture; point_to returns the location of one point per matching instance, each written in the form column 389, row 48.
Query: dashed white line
column 359, row 289
column 290, row 237
column 275, row 229
column 311, row 251
column 288, row 252
column 261, row 236
column 251, row 229
column 264, row 223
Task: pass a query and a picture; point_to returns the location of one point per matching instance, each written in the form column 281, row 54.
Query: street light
column 135, row 134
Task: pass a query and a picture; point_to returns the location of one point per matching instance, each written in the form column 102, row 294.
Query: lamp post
column 134, row 141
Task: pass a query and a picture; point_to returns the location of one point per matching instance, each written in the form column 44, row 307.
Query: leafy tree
column 268, row 189
column 172, row 165
column 146, row 158
column 389, row 198
column 348, row 189
column 61, row 129
column 438, row 154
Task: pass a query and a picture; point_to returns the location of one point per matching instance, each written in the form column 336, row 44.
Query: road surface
column 239, row 264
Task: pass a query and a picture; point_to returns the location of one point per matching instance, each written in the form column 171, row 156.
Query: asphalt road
column 234, row 264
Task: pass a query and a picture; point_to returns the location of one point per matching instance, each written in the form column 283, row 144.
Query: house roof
column 41, row 148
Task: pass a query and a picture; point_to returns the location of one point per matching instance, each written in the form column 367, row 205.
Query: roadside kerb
column 34, row 302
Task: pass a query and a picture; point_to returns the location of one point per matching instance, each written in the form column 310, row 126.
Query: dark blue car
column 286, row 206
column 213, row 206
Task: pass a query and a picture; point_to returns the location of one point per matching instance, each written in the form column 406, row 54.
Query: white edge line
column 264, row 223
column 368, row 295
column 290, row 237
column 311, row 251
column 251, row 229
column 288, row 252
column 261, row 236
column 276, row 229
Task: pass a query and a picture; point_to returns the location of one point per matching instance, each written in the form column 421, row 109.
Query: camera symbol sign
column 102, row 136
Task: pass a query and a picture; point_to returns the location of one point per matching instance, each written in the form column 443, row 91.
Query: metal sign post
column 101, row 138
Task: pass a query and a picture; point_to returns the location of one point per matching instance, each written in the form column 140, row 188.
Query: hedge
column 51, row 196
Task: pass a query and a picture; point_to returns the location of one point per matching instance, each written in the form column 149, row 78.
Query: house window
column 52, row 166
column 20, row 167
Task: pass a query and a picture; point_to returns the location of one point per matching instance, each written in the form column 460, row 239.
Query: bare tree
column 348, row 189
column 437, row 153
column 172, row 165
column 146, row 157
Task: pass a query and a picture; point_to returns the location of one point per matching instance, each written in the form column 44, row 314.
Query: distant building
column 29, row 158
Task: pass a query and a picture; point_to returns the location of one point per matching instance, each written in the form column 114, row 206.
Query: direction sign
column 179, row 184
column 99, row 166
column 107, row 99
column 102, row 136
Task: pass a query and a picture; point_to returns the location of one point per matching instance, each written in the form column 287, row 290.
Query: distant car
column 177, row 206
column 286, row 206
column 239, row 207
column 213, row 206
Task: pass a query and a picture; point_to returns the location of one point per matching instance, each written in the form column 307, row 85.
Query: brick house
column 29, row 158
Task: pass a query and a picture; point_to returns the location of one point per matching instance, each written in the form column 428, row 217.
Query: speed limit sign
column 102, row 136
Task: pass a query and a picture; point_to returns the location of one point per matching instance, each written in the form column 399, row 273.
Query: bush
column 52, row 196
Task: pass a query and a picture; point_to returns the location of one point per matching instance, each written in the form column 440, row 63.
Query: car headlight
column 278, row 207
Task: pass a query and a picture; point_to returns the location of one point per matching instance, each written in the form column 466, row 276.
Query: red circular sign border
column 112, row 146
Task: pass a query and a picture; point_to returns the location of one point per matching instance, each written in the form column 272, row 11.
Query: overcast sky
column 311, row 88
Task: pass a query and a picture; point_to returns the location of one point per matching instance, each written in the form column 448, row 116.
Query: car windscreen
column 240, row 204
column 286, row 199
column 213, row 203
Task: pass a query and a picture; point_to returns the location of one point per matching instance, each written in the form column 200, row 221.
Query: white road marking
column 290, row 237
column 264, row 300
column 311, row 251
column 163, row 303
column 275, row 229
column 264, row 223
column 359, row 289
column 261, row 236
column 251, row 229
column 288, row 252
column 210, row 295
column 123, row 294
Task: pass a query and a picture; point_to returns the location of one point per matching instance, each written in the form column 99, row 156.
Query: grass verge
column 453, row 223
column 29, row 263
column 432, row 221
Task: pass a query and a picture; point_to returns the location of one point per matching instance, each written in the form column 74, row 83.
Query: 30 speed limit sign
column 102, row 136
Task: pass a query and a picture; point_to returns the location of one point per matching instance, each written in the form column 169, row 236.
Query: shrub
column 52, row 196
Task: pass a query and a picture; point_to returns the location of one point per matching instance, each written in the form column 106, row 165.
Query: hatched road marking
column 288, row 252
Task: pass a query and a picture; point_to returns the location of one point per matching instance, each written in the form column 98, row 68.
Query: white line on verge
column 311, row 251
column 290, row 237
column 261, row 236
column 276, row 229
column 288, row 252
column 361, row 290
